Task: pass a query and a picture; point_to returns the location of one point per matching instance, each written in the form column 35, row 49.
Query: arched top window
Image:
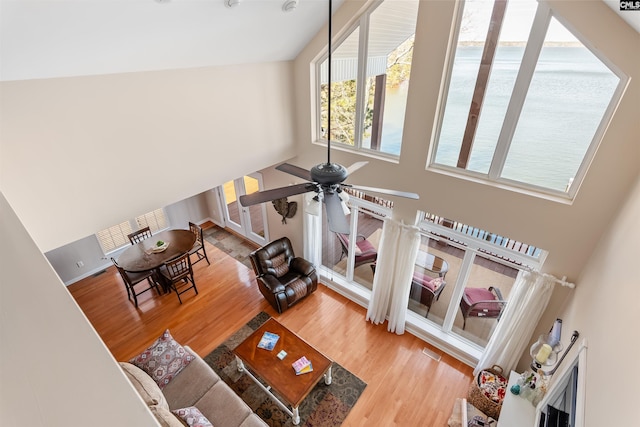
column 370, row 71
column 527, row 101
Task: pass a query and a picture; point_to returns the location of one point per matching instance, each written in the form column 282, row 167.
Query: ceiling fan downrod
column 329, row 92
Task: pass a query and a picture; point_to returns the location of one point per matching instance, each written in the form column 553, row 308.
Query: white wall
column 64, row 259
column 54, row 369
column 605, row 311
column 90, row 151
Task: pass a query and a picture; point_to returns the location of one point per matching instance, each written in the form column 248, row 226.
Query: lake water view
column 568, row 96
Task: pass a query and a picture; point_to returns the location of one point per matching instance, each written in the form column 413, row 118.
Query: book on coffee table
column 268, row 341
column 302, row 366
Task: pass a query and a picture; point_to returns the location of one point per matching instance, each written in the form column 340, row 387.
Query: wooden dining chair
column 140, row 235
column 131, row 279
column 179, row 275
column 198, row 246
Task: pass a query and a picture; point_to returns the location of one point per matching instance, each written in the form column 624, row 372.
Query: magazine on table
column 268, row 341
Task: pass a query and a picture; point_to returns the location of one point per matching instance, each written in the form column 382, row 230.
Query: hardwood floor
column 404, row 386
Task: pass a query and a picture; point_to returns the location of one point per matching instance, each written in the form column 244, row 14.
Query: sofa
column 197, row 386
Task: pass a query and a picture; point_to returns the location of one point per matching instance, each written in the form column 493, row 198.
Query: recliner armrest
column 272, row 283
column 302, row 266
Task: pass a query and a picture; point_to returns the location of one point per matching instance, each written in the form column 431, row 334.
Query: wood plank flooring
column 404, row 386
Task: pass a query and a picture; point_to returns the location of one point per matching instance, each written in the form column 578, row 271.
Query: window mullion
column 361, row 80
column 482, row 81
column 458, row 290
column 520, row 88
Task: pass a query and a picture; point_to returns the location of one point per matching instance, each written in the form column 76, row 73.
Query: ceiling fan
column 326, row 179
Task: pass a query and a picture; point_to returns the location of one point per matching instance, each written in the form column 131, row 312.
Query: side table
column 516, row 411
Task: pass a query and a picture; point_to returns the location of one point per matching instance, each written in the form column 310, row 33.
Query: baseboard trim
column 87, row 274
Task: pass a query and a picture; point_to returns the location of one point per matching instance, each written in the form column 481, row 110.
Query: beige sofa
column 196, row 385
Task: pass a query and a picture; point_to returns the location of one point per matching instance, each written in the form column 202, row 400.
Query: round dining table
column 142, row 257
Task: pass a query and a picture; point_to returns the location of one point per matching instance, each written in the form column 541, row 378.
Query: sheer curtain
column 312, row 230
column 527, row 301
column 394, row 269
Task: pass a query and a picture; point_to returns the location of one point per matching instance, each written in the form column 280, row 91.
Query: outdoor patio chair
column 365, row 252
column 480, row 302
column 425, row 288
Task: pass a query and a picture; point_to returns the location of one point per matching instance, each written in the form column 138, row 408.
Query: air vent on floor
column 432, row 354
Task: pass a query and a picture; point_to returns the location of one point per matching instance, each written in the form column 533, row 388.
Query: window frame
column 360, row 23
column 530, row 58
column 135, row 224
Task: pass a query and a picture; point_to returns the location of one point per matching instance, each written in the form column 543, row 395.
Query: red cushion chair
column 365, row 252
column 480, row 302
column 425, row 288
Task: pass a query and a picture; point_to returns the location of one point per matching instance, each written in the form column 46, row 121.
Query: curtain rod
column 562, row 281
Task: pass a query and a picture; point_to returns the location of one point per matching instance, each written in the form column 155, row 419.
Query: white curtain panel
column 385, row 269
column 312, row 230
column 527, row 301
column 394, row 269
column 406, row 254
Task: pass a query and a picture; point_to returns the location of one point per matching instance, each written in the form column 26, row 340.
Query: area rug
column 231, row 244
column 326, row 405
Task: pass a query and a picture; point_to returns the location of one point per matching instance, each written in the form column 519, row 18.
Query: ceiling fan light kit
column 325, row 179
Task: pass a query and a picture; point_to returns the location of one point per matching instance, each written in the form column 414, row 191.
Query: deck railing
column 466, row 229
column 492, row 238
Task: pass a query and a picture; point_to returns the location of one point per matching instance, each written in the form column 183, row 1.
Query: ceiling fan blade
column 406, row 194
column 276, row 193
column 354, row 167
column 295, row 171
column 336, row 218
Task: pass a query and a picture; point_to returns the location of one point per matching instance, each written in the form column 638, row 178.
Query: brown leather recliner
column 283, row 278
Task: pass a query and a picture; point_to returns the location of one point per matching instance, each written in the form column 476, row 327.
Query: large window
column 115, row 237
column 526, row 102
column 370, row 79
column 470, row 264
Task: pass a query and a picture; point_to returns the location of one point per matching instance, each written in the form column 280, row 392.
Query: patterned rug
column 231, row 244
column 326, row 405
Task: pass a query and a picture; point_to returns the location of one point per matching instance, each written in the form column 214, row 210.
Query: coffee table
column 278, row 375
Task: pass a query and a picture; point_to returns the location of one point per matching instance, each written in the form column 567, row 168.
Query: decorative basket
column 487, row 391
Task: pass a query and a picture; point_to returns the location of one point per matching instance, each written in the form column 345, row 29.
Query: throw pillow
column 146, row 387
column 165, row 417
column 163, row 360
column 192, row 417
column 436, row 283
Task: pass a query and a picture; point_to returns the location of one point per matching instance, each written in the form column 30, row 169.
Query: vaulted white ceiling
column 56, row 38
column 59, row 38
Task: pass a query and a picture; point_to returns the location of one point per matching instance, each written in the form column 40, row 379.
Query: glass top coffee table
column 432, row 263
column 278, row 374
